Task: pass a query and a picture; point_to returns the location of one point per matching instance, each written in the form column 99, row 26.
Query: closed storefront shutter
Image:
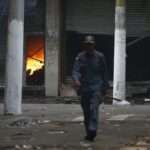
column 138, row 17
column 90, row 16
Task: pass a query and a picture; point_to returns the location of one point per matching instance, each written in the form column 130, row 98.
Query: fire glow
column 35, row 62
column 35, row 54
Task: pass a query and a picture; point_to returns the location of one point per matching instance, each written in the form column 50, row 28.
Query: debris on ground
column 27, row 122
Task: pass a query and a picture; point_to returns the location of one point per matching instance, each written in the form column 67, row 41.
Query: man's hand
column 77, row 84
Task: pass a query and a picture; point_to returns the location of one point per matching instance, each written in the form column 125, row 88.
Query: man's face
column 90, row 47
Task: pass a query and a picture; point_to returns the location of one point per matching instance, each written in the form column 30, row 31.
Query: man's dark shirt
column 91, row 71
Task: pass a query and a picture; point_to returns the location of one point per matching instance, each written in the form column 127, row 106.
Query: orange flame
column 35, row 62
column 35, row 54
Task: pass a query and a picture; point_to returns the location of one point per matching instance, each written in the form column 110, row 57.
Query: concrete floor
column 60, row 127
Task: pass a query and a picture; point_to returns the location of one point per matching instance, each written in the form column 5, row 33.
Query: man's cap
column 89, row 39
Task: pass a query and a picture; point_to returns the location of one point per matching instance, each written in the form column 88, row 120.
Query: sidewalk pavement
column 60, row 127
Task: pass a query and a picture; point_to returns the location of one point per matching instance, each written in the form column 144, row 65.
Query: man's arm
column 76, row 75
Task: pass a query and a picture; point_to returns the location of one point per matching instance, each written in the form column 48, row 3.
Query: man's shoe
column 121, row 103
column 89, row 138
column 85, row 143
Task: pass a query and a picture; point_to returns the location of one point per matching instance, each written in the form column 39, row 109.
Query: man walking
column 90, row 79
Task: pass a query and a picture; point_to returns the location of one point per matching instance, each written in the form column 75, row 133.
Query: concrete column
column 14, row 64
column 52, row 47
column 119, row 90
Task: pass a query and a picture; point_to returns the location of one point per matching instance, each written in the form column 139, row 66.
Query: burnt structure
column 53, row 30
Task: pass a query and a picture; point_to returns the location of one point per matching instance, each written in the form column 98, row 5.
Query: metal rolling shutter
column 90, row 16
column 138, row 17
column 97, row 16
column 3, row 37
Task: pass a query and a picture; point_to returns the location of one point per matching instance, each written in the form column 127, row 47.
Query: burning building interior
column 35, row 60
column 34, row 42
